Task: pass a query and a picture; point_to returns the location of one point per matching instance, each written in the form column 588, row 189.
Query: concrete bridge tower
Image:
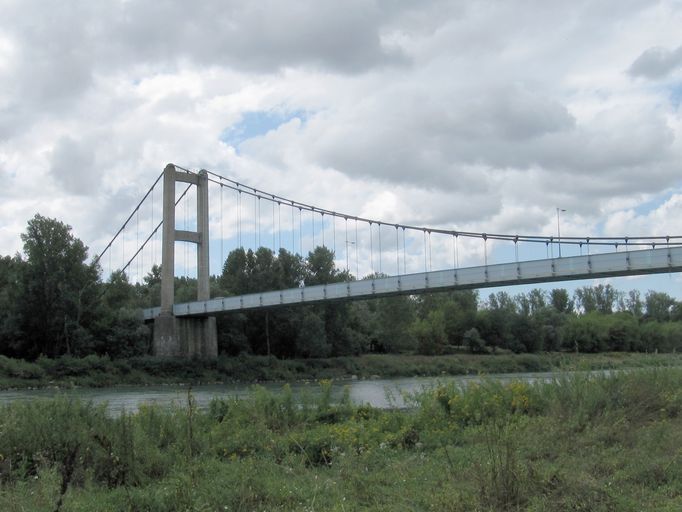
column 186, row 336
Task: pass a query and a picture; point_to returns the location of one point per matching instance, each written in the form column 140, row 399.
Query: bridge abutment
column 185, row 337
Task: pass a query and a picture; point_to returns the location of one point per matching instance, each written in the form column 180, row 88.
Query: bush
column 20, row 369
column 473, row 340
column 430, row 333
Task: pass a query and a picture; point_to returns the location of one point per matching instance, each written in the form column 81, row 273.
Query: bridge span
column 258, row 219
column 637, row 262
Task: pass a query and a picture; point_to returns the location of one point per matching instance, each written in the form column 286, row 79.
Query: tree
column 601, row 298
column 460, row 309
column 312, row 338
column 320, row 268
column 623, row 332
column 659, row 306
column 430, row 333
column 633, row 304
column 11, row 337
column 60, row 289
column 560, row 300
column 394, row 317
column 473, row 340
column 291, row 269
column 586, row 333
column 498, row 328
column 235, row 277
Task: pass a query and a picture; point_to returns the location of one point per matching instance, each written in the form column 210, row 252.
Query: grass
column 95, row 371
column 586, row 443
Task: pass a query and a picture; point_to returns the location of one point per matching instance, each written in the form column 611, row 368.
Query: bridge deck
column 650, row 261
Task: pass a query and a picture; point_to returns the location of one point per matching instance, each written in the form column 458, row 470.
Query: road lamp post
column 558, row 227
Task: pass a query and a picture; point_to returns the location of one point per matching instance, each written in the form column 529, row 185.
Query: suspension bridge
column 396, row 258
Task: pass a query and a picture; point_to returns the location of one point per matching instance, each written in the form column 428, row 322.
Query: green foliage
column 58, row 288
column 585, row 443
column 394, row 317
column 659, row 306
column 473, row 340
column 52, row 303
column 430, row 333
column 19, row 369
column 312, row 337
column 588, row 333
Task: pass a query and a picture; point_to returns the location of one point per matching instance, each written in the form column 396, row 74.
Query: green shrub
column 20, row 369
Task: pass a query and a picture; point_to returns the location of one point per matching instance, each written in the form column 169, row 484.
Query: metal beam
column 650, row 261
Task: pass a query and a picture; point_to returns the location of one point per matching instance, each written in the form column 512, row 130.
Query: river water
column 382, row 393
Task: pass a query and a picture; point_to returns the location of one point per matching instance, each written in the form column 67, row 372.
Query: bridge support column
column 184, row 336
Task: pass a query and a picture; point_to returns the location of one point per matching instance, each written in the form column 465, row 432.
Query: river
column 381, row 393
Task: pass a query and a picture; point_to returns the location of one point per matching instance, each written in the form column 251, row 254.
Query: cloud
column 442, row 113
column 660, row 221
column 73, row 166
column 657, row 62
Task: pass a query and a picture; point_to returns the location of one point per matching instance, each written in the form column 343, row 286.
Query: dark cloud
column 447, row 111
column 440, row 140
column 657, row 62
column 61, row 49
column 264, row 36
column 73, row 166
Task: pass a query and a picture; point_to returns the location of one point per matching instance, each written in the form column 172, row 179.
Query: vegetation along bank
column 61, row 323
column 590, row 443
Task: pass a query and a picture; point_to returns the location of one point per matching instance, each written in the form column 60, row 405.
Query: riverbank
column 592, row 443
column 94, row 371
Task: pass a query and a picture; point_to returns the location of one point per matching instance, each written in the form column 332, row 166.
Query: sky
column 470, row 115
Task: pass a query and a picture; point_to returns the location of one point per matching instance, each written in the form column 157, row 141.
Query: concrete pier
column 184, row 337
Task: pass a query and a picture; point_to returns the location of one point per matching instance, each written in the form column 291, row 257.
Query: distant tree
column 537, row 300
column 127, row 336
column 60, row 289
column 497, row 331
column 460, row 309
column 291, row 269
column 633, row 304
column 473, row 340
column 151, row 291
column 586, row 333
column 560, row 300
column 118, row 292
column 601, row 298
column 11, row 289
column 394, row 316
column 236, row 272
column 623, row 332
column 312, row 337
column 430, row 333
column 185, row 289
column 659, row 306
column 320, row 268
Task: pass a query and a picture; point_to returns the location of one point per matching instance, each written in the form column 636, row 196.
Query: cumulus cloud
column 657, row 62
column 442, row 113
column 73, row 166
column 633, row 222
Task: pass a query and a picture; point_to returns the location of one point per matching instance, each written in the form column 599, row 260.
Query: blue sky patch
column 646, row 208
column 676, row 95
column 255, row 124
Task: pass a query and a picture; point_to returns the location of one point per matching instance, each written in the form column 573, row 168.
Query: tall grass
column 585, row 443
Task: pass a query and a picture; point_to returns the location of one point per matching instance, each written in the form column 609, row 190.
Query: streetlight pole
column 558, row 228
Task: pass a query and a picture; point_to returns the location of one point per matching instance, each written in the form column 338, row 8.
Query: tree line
column 54, row 302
